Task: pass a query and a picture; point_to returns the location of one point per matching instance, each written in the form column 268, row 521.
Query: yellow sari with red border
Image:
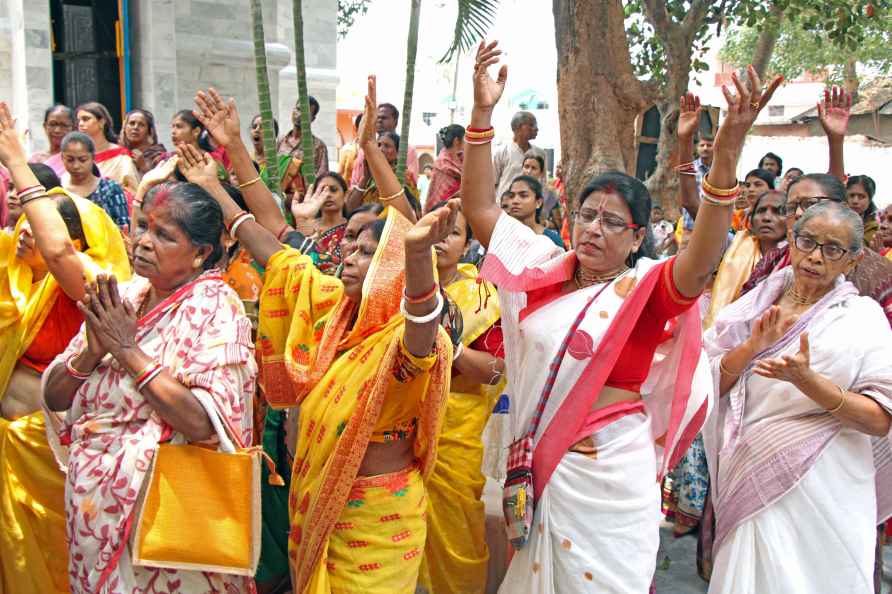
column 456, row 555
column 33, row 555
column 343, row 378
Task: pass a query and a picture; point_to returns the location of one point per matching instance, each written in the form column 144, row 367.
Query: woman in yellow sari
column 366, row 360
column 42, row 267
column 456, row 554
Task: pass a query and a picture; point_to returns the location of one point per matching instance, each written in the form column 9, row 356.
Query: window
column 775, row 111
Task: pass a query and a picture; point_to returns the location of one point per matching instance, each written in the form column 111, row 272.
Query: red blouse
column 61, row 324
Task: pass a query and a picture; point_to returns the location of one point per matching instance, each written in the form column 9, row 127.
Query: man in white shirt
column 507, row 160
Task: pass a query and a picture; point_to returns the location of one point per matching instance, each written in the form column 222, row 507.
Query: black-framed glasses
column 830, row 251
column 609, row 223
column 804, row 204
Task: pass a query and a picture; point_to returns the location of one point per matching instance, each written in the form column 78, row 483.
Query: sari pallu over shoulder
column 201, row 335
column 751, row 467
column 677, row 410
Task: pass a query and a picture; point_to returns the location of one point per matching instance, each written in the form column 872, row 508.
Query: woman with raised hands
column 61, row 240
column 366, row 360
column 606, row 304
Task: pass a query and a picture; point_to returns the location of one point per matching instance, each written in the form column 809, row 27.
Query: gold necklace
column 797, row 297
column 584, row 279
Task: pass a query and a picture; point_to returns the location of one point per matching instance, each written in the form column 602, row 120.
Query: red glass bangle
column 421, row 298
column 478, row 130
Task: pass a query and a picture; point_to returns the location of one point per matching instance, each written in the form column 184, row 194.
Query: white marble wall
column 179, row 46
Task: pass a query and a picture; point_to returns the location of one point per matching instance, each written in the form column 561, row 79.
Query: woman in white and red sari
column 801, row 364
column 132, row 378
column 627, row 384
column 114, row 161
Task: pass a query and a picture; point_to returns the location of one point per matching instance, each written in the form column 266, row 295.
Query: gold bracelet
column 389, row 198
column 845, row 395
column 249, row 183
column 724, row 369
column 718, row 192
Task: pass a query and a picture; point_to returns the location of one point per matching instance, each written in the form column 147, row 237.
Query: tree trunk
column 850, row 78
column 598, row 94
column 308, row 166
column 263, row 96
column 766, row 41
column 411, row 50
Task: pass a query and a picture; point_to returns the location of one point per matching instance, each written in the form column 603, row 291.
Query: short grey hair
column 841, row 213
column 521, row 118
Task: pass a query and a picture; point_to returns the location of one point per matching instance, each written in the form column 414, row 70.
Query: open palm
column 834, row 110
column 218, row 116
column 689, row 115
column 488, row 91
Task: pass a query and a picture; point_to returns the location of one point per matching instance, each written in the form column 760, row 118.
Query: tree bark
column 599, row 96
column 850, row 78
column 767, row 40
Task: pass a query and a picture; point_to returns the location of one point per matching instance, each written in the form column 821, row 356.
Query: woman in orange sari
column 114, row 161
column 371, row 383
column 42, row 266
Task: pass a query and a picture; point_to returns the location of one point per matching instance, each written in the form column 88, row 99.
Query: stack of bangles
column 70, row 369
column 148, row 373
column 479, row 135
column 31, row 193
column 718, row 196
column 433, row 315
column 686, row 168
column 236, row 221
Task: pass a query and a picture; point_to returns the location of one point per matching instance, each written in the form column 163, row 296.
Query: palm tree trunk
column 410, row 87
column 308, row 166
column 263, row 96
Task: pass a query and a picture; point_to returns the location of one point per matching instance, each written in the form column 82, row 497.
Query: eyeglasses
column 807, row 245
column 609, row 223
column 804, row 204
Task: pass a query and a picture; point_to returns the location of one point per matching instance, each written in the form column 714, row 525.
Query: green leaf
column 474, row 19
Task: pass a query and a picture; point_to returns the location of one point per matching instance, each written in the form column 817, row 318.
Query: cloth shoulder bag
column 200, row 509
column 518, row 501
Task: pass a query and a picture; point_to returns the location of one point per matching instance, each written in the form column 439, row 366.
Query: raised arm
column 477, row 179
column 198, row 168
column 688, row 123
column 47, row 226
column 390, row 192
column 833, row 113
column 430, row 230
column 695, row 265
column 222, row 121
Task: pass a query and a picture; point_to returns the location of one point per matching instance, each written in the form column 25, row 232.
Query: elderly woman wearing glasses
column 801, row 364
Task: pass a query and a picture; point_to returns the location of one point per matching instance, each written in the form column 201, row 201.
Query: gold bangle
column 845, row 395
column 249, row 183
column 389, row 198
column 725, row 370
column 718, row 192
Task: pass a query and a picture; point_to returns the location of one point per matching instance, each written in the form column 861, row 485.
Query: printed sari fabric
column 33, row 555
column 116, row 164
column 201, row 335
column 328, row 246
column 445, row 179
column 787, row 478
column 456, row 554
column 346, row 380
column 633, row 444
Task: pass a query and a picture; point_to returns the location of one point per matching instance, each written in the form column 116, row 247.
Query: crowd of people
column 392, row 346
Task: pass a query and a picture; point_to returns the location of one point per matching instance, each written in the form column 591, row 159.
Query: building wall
column 178, row 47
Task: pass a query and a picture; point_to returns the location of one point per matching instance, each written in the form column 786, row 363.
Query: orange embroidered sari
column 348, row 382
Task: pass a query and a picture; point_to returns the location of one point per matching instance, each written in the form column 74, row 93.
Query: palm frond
column 474, row 19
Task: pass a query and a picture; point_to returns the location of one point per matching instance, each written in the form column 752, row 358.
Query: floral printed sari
column 202, row 336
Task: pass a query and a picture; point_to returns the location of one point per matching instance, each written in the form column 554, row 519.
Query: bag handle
column 555, row 366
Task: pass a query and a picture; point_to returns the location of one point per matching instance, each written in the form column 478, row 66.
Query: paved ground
column 677, row 566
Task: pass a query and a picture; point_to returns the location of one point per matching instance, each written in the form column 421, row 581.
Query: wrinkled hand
column 688, row 115
column 366, row 132
column 432, row 228
column 795, row 369
column 833, row 112
column 111, row 321
column 197, row 166
column 769, row 328
column 218, row 116
column 487, row 91
column 11, row 149
column 744, row 106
